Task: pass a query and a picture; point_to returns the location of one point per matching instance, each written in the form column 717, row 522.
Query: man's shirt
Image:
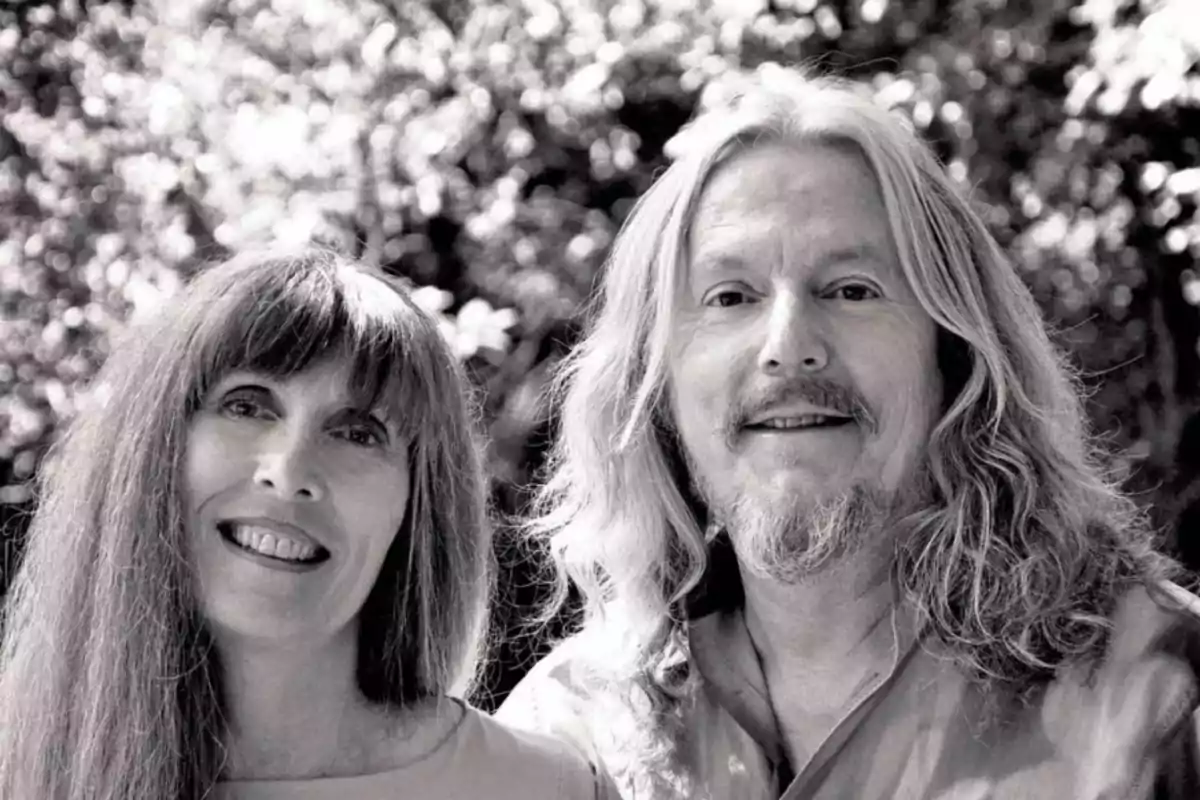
column 915, row 729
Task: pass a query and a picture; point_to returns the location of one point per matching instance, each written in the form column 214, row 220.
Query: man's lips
column 805, row 420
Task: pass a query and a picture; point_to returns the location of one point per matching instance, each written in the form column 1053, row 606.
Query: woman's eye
column 240, row 408
column 361, row 434
column 241, row 405
column 727, row 298
column 854, row 292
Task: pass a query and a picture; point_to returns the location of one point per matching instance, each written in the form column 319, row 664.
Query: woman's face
column 294, row 494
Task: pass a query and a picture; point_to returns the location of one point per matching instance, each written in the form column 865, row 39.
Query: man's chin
column 799, row 491
column 788, row 538
column 789, row 561
column 786, row 501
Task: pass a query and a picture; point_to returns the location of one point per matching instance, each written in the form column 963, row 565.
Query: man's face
column 803, row 377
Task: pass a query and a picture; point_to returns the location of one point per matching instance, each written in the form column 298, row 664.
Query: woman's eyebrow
column 366, row 412
column 240, row 380
column 378, row 412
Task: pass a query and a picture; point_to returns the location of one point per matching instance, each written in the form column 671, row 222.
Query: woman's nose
column 287, row 467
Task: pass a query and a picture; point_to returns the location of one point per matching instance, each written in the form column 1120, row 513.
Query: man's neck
column 819, row 641
column 295, row 709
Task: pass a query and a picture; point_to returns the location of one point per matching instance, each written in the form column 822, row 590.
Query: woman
column 261, row 563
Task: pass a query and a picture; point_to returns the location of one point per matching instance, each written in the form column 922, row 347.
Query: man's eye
column 854, row 292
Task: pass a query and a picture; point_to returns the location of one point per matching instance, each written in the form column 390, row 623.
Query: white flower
column 479, row 326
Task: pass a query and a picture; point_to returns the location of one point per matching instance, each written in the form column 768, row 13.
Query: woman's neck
column 295, row 711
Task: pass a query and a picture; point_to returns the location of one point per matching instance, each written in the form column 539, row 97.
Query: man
column 827, row 492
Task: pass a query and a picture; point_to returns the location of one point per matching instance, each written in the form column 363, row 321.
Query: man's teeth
column 272, row 544
column 803, row 421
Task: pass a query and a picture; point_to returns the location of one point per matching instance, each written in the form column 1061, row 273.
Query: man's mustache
column 820, row 392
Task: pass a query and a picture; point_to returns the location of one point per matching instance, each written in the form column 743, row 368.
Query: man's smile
column 803, row 422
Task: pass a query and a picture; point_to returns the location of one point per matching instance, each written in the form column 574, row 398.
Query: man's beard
column 791, row 536
column 790, row 540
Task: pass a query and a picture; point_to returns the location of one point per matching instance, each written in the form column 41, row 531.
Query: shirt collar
column 724, row 654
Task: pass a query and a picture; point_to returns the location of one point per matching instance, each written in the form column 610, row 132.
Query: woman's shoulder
column 479, row 757
column 502, row 761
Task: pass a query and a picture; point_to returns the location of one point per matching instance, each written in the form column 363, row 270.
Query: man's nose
column 794, row 343
column 287, row 467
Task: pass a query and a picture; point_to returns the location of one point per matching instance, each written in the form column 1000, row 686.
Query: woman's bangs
column 384, row 356
column 281, row 325
column 290, row 320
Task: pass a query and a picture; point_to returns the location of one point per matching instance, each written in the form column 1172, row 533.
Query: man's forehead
column 825, row 201
column 771, row 166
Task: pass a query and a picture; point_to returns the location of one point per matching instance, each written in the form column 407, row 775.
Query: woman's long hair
column 1015, row 564
column 109, row 686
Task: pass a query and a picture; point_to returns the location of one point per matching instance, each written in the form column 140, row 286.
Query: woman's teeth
column 271, row 544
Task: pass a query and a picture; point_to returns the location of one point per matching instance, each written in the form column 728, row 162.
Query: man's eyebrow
column 718, row 261
column 854, row 252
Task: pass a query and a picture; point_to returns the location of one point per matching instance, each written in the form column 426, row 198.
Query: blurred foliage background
column 489, row 149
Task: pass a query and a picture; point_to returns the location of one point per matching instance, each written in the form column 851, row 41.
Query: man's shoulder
column 1154, row 664
column 556, row 694
column 580, row 697
column 1163, row 618
column 1174, row 599
column 1130, row 718
column 1155, row 639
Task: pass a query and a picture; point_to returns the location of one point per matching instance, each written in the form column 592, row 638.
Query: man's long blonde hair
column 1015, row 564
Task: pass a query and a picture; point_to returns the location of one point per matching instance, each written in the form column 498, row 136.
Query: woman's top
column 480, row 758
